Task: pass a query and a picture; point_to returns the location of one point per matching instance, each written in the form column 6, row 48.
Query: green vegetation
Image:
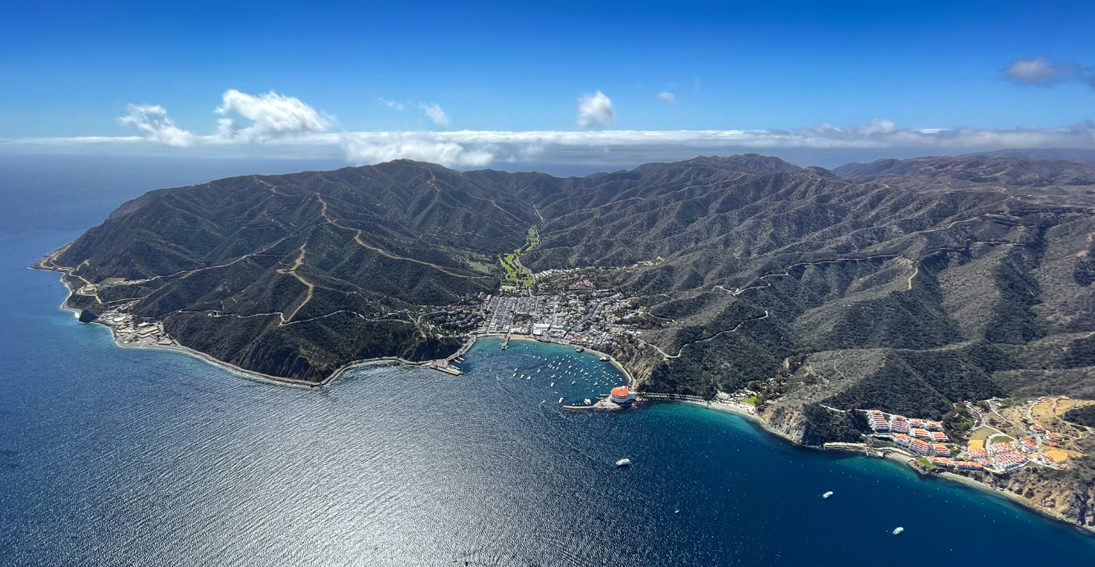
column 751, row 400
column 1001, row 439
column 908, row 295
column 1081, row 416
column 516, row 274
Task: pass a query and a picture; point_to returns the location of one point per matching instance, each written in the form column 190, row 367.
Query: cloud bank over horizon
column 284, row 126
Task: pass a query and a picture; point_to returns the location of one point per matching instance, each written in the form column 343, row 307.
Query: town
column 1024, row 442
column 590, row 320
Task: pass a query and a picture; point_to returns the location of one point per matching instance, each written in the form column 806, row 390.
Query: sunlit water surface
column 123, row 457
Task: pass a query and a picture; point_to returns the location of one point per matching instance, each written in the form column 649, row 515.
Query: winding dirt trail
column 381, row 251
column 293, row 272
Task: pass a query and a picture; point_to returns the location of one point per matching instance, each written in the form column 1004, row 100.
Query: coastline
column 232, row 368
column 893, row 455
column 900, row 457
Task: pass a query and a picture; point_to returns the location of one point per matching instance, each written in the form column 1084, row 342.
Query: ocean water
column 114, row 456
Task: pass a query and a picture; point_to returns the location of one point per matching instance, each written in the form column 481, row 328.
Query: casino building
column 622, row 396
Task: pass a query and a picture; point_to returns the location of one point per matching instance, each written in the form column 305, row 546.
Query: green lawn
column 516, row 274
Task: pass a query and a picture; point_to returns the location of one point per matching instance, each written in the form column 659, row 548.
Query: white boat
column 623, row 462
column 604, row 359
column 560, row 400
column 827, row 495
column 898, row 530
column 579, row 349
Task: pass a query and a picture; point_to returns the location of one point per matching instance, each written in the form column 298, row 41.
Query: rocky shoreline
column 793, row 428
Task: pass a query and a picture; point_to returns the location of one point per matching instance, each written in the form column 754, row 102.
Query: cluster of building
column 1001, row 454
column 921, row 436
column 586, row 319
column 128, row 331
column 1005, row 457
column 921, row 428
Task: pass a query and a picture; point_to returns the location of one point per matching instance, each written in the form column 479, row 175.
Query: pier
column 661, row 396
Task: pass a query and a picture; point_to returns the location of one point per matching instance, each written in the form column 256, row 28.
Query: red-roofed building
column 920, row 447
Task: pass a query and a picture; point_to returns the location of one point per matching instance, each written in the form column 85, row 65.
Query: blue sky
column 72, row 69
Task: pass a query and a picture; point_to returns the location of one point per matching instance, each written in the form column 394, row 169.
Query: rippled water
column 123, row 457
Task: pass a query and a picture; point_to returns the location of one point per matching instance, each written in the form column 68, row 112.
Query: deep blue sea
column 111, row 456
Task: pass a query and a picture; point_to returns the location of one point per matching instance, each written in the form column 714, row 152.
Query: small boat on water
column 623, row 463
column 898, row 530
column 827, row 495
column 560, row 400
column 579, row 349
column 604, row 359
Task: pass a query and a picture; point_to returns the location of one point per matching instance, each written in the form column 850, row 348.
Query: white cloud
column 152, row 123
column 595, row 111
column 1035, row 71
column 433, row 110
column 271, row 115
column 482, row 148
column 667, row 97
column 1039, row 71
column 398, row 106
column 374, row 147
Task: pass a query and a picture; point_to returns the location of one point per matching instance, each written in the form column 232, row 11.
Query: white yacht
column 623, row 462
column 898, row 530
column 827, row 495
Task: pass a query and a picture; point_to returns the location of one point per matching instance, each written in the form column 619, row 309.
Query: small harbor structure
column 621, row 396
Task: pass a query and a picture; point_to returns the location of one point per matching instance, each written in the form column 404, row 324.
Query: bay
column 120, row 457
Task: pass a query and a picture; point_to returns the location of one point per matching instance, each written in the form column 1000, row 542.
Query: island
column 834, row 307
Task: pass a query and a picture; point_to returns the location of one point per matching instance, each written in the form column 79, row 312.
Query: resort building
column 622, row 396
column 968, row 465
column 921, row 433
column 899, row 424
column 934, row 426
column 877, row 421
column 1008, row 462
column 940, row 462
column 941, row 449
column 939, row 437
column 919, row 447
